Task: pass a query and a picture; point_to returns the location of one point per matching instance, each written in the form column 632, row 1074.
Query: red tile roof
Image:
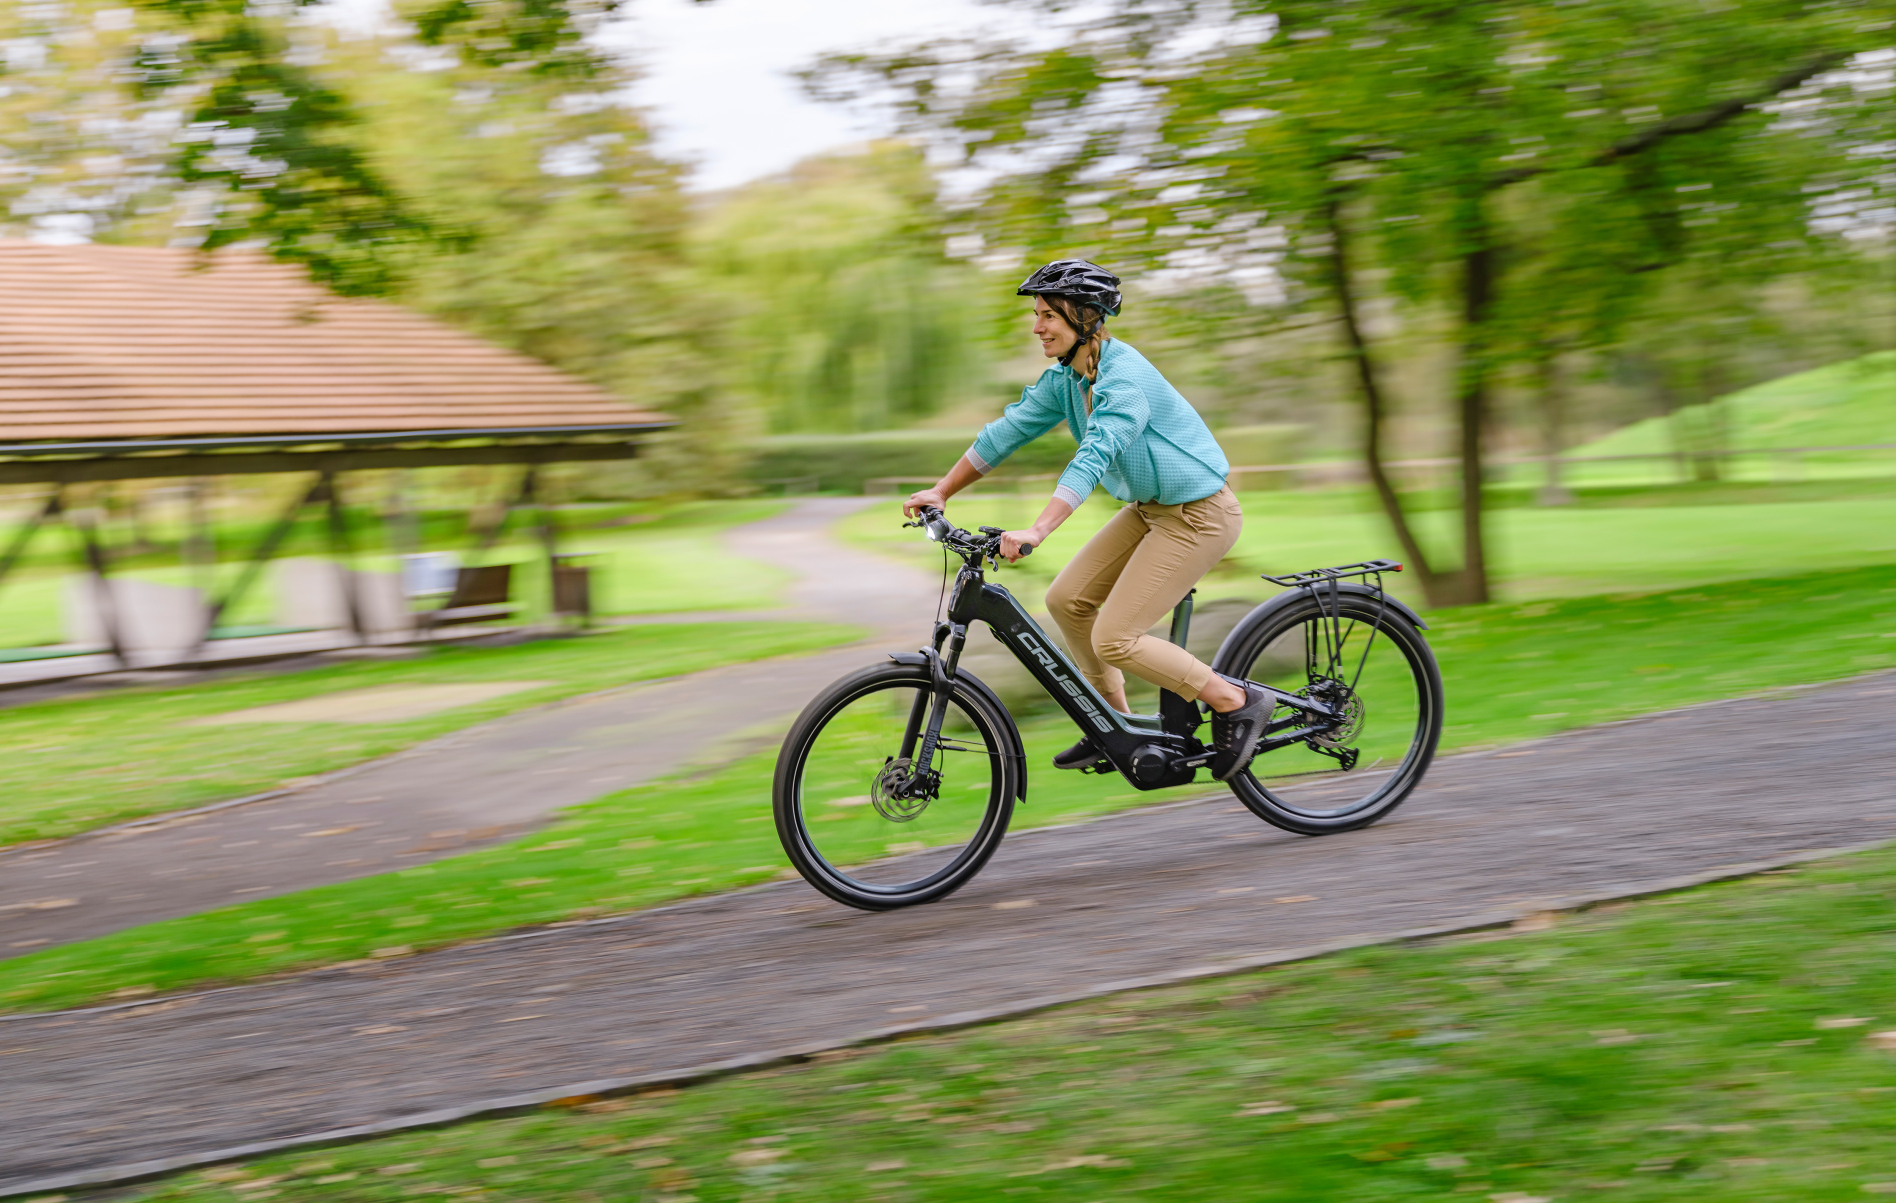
column 113, row 342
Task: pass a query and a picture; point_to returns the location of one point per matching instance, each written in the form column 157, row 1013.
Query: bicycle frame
column 1152, row 751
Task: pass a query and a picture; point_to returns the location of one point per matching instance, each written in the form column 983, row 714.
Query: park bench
column 480, row 595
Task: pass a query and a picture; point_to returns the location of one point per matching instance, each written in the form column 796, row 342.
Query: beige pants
column 1128, row 577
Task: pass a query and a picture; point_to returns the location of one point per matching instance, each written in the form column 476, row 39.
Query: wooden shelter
column 123, row 363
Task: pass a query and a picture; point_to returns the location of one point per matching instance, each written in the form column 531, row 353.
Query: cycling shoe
column 1234, row 734
column 1081, row 755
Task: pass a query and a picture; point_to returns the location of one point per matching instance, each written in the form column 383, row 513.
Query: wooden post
column 55, row 504
column 340, row 548
column 96, row 563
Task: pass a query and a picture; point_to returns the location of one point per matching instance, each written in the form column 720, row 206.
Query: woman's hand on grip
column 934, row 498
column 1017, row 543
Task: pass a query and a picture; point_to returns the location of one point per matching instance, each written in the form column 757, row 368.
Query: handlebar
column 966, row 543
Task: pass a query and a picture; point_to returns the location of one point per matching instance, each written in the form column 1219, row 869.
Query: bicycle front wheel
column 1373, row 666
column 841, row 820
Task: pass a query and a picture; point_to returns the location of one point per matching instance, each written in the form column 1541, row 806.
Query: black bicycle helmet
column 1088, row 284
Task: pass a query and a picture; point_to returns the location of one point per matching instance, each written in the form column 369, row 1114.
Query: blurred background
column 1425, row 269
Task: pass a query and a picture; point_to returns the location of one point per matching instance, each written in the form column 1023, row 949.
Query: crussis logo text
column 1067, row 683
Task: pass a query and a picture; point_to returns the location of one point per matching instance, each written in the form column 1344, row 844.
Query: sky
column 718, row 78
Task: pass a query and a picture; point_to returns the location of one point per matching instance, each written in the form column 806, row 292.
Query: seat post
column 1182, row 619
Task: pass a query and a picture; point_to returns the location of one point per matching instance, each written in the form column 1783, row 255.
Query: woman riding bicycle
column 1148, row 446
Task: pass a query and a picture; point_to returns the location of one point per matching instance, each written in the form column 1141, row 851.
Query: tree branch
column 1692, row 123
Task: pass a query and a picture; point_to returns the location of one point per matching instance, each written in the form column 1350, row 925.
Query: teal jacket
column 1142, row 441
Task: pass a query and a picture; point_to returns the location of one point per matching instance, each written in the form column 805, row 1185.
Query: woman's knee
column 1115, row 647
column 1063, row 601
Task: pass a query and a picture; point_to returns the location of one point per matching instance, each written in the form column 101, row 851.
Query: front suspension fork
column 931, row 710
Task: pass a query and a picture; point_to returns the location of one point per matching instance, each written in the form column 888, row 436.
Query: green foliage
column 841, row 312
column 844, row 462
column 1524, row 171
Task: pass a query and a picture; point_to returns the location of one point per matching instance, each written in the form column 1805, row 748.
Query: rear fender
column 1010, row 734
column 1268, row 611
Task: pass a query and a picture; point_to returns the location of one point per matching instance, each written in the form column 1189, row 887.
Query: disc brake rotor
column 1348, row 708
column 885, row 792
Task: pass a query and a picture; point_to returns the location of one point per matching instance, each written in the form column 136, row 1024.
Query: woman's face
column 1055, row 336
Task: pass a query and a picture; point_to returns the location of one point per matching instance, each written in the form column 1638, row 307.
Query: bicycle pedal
column 1101, row 766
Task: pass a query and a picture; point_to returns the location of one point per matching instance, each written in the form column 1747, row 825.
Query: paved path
column 479, row 785
column 1164, row 890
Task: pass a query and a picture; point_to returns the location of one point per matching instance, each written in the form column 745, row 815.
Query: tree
column 1439, row 148
column 267, row 147
column 843, row 311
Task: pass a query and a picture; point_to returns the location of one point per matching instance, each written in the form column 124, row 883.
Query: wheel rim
column 1377, row 680
column 849, row 815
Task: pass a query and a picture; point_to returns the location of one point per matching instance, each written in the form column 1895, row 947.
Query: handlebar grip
column 1026, row 549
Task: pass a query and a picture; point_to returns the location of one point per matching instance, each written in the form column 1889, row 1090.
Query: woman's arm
column 959, row 477
column 1057, row 511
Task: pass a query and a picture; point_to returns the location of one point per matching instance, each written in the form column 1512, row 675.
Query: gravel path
column 477, row 786
column 1062, row 911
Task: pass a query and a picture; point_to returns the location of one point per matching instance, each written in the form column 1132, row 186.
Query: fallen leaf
column 398, row 950
column 1513, row 1196
column 1841, row 1021
column 650, row 1163
column 1267, row 1107
column 1392, row 1104
column 1320, row 1117
column 334, row 1178
column 879, row 1167
column 756, row 1156
column 1447, row 1161
column 494, row 1163
column 406, row 1167
column 330, row 831
column 1085, row 1161
column 1883, row 1040
column 1297, row 898
column 1879, row 1188
column 1614, row 1036
column 1014, row 904
column 1538, row 921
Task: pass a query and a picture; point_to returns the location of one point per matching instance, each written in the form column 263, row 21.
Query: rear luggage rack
column 1317, row 576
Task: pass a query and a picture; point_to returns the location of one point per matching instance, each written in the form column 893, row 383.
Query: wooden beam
column 259, row 463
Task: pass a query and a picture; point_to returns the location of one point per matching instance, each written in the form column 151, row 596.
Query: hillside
column 1840, row 404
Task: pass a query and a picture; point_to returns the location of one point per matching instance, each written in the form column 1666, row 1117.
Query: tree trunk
column 1553, row 415
column 1375, row 410
column 1469, row 586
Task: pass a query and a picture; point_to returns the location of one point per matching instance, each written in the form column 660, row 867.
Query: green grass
column 1512, row 672
column 1536, row 553
column 85, row 761
column 1711, row 1045
column 1839, row 404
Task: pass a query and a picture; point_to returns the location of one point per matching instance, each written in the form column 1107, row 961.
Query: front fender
column 1266, row 611
column 1010, row 734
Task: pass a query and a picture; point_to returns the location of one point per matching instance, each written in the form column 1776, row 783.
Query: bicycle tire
column 1306, row 789
column 827, row 775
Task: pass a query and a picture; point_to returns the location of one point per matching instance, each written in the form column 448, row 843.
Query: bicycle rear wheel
column 839, row 819
column 1370, row 662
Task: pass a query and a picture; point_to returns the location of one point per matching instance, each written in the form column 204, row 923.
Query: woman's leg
column 1182, row 543
column 1074, row 598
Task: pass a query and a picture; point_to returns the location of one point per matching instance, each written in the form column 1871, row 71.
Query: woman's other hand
column 1016, row 543
column 934, row 498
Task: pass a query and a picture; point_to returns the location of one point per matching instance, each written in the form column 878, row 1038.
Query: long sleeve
column 1038, row 411
column 1121, row 412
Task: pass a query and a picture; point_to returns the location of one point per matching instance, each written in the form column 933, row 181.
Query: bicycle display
column 897, row 783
